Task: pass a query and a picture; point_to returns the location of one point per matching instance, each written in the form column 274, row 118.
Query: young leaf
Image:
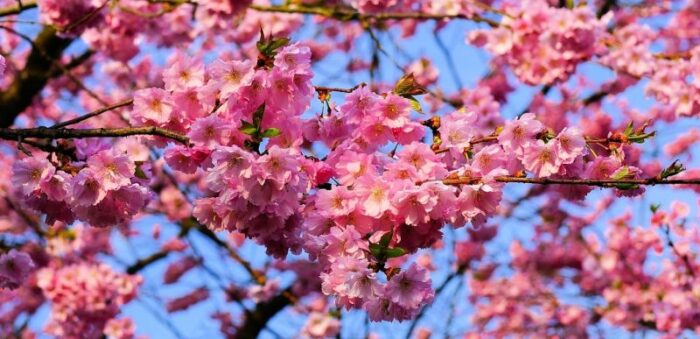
column 248, row 128
column 621, row 174
column 271, row 132
column 672, row 170
column 376, row 250
column 415, row 104
column 394, row 252
column 386, row 238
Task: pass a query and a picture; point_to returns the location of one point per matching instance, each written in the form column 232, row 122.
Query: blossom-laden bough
column 207, row 119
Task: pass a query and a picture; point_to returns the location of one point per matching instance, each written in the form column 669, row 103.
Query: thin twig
column 93, row 114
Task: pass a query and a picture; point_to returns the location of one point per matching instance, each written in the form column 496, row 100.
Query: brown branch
column 70, row 133
column 256, row 320
column 346, row 14
column 93, row 114
column 337, row 89
column 46, row 48
column 614, row 138
column 145, row 262
column 580, row 182
column 19, row 8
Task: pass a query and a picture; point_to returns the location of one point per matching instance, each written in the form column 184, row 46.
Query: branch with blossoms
column 77, row 133
column 363, row 189
column 347, row 14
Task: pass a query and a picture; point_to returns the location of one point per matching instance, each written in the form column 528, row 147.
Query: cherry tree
column 324, row 169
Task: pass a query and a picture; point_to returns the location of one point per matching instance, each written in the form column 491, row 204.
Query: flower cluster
column 104, row 192
column 71, row 16
column 15, row 267
column 543, row 44
column 85, row 298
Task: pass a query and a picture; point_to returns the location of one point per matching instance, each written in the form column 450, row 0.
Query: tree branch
column 580, row 182
column 19, row 8
column 70, row 133
column 342, row 14
column 46, row 49
column 93, row 114
column 256, row 320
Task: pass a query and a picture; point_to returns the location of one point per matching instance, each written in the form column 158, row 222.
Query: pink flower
column 56, row 187
column 426, row 162
column 426, row 74
column 174, row 203
column 542, row 159
column 112, row 169
column 84, row 297
column 457, row 129
column 489, row 159
column 336, row 202
column 294, row 58
column 183, row 73
column 571, row 144
column 120, row 329
column 229, row 76
column 358, row 104
column 152, row 105
column 186, row 159
column 353, row 165
column 15, row 267
column 374, row 194
column 350, row 277
column 520, row 133
column 210, row 131
column 30, row 173
column 394, row 110
column 86, row 188
column 116, row 208
column 411, row 288
column 415, row 204
column 320, row 325
column 2, row 65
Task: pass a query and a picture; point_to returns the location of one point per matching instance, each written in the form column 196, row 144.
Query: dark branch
column 70, row 133
column 46, row 49
column 580, row 182
column 257, row 320
column 19, row 8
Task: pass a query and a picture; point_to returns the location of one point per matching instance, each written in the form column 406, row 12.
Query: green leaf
column 248, row 128
column 271, row 132
column 672, row 170
column 386, row 238
column 622, row 173
column 654, row 207
column 376, row 250
column 407, row 86
column 415, row 104
column 275, row 44
column 394, row 252
column 258, row 116
column 623, row 186
column 629, row 130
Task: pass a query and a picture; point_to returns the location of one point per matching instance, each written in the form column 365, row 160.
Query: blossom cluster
column 543, row 44
column 104, row 192
column 85, row 298
column 15, row 267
